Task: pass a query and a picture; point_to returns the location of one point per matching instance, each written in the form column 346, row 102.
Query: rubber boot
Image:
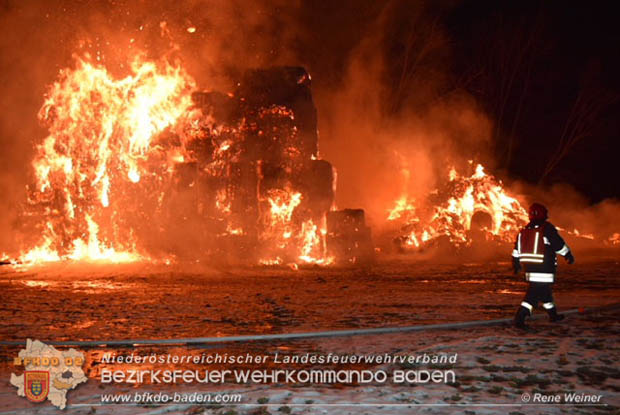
column 519, row 321
column 554, row 316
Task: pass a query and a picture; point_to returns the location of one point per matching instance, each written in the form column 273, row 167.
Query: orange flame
column 107, row 175
column 303, row 243
column 452, row 218
column 100, row 133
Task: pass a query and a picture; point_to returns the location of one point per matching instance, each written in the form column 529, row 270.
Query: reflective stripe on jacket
column 536, row 248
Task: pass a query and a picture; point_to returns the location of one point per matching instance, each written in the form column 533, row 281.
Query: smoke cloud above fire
column 389, row 140
column 390, row 118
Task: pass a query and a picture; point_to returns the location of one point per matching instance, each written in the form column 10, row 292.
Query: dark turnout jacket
column 536, row 249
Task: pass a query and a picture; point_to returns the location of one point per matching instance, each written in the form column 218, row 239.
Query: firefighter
column 536, row 249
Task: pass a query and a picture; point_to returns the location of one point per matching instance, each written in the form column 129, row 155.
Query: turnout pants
column 538, row 291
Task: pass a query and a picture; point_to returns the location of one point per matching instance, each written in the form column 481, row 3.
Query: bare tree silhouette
column 590, row 103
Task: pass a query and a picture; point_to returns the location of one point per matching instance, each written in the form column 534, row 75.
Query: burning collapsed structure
column 470, row 209
column 466, row 205
column 146, row 166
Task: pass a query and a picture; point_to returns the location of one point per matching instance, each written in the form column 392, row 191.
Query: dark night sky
column 575, row 51
column 524, row 63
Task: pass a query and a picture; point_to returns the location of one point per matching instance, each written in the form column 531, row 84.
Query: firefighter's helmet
column 538, row 212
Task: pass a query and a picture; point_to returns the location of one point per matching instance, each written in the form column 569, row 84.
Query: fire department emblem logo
column 37, row 385
column 48, row 373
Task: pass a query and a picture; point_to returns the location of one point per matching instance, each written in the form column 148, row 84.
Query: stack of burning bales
column 255, row 180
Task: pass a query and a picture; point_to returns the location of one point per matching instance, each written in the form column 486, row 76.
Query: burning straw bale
column 151, row 168
column 348, row 237
column 467, row 208
column 273, row 177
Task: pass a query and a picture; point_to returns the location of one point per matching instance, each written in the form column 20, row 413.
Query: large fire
column 467, row 208
column 145, row 166
column 89, row 167
column 127, row 160
column 454, row 208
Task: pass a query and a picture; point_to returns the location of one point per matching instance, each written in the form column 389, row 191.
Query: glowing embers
column 465, row 205
column 286, row 235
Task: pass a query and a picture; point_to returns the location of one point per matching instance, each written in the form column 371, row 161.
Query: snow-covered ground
column 495, row 367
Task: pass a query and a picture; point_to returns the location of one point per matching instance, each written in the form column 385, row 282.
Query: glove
column 570, row 258
column 516, row 265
